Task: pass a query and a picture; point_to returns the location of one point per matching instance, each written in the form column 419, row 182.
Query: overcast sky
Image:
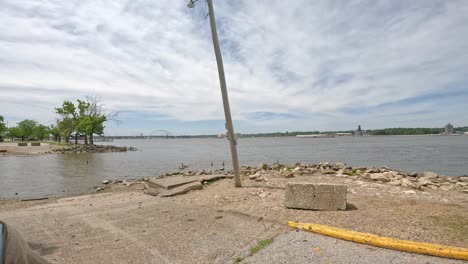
column 290, row 65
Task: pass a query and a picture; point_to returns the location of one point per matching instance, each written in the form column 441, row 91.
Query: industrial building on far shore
column 448, row 129
column 359, row 131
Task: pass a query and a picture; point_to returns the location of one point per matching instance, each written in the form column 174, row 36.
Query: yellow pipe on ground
column 385, row 242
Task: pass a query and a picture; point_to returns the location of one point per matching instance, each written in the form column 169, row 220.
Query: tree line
column 84, row 118
column 375, row 132
column 412, row 131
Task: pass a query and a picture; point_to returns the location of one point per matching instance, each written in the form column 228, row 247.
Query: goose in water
column 182, row 166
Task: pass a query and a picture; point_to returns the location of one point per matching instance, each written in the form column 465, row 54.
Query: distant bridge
column 166, row 134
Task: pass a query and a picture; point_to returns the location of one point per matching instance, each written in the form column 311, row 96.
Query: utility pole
column 224, row 93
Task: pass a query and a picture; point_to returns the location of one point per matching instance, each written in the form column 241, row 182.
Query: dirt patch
column 433, row 216
column 374, row 208
column 453, row 225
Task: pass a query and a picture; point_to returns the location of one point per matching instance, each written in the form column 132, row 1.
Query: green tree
column 55, row 132
column 69, row 119
column 3, row 128
column 87, row 117
column 406, row 131
column 27, row 128
column 91, row 117
column 91, row 125
column 41, row 132
column 14, row 132
column 83, row 109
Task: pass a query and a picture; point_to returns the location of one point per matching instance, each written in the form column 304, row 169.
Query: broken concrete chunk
column 182, row 189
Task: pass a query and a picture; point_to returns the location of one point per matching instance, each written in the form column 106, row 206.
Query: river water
column 69, row 174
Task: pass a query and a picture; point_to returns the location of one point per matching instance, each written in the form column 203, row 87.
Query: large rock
column 346, row 172
column 296, row 169
column 424, row 181
column 314, row 196
column 463, row 179
column 393, row 175
column 429, row 175
column 408, row 183
column 327, row 171
column 340, row 165
column 380, row 177
column 447, row 187
column 373, row 170
column 395, row 182
column 255, row 176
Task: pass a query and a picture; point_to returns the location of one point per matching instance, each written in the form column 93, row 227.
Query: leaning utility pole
column 222, row 82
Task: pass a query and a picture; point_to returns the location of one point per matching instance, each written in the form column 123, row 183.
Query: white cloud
column 314, row 59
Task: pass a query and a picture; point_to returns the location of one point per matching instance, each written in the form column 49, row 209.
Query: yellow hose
column 385, row 242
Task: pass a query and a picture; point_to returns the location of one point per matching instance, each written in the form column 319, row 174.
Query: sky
column 290, row 65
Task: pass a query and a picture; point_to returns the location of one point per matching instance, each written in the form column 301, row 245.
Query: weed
column 355, row 172
column 454, row 225
column 261, row 245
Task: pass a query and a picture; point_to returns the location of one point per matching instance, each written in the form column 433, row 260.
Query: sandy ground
column 12, row 149
column 426, row 216
column 221, row 223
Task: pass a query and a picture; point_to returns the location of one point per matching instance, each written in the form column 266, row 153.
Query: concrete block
column 313, row 196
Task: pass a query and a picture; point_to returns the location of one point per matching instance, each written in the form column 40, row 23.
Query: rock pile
column 93, row 149
column 193, row 173
column 384, row 175
column 420, row 181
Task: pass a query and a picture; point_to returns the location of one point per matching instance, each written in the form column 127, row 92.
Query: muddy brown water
column 69, row 174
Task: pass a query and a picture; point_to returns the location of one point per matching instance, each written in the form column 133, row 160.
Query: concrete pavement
column 297, row 247
column 130, row 227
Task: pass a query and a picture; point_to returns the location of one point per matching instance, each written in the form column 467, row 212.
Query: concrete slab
column 315, row 196
column 182, row 189
column 131, row 227
column 171, row 182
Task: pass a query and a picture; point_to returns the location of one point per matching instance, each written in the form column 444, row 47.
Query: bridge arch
column 166, row 133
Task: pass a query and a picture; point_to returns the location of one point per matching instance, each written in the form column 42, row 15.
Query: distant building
column 448, row 129
column 359, row 131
